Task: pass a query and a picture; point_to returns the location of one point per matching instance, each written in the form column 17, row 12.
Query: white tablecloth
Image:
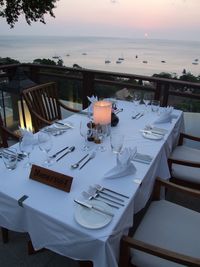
column 48, row 213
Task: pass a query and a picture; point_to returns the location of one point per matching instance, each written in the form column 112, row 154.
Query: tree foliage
column 33, row 10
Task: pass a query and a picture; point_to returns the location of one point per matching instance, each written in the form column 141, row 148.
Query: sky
column 153, row 19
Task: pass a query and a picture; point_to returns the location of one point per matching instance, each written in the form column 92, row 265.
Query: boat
column 56, row 57
column 121, row 58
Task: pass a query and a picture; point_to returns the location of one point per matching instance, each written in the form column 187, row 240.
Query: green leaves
column 33, row 10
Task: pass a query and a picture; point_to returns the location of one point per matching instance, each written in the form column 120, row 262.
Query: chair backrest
column 6, row 135
column 42, row 101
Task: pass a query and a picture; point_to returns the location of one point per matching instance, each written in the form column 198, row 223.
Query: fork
column 90, row 197
column 101, row 188
column 107, row 194
column 95, row 193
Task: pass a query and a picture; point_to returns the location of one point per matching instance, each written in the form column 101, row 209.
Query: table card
column 52, row 178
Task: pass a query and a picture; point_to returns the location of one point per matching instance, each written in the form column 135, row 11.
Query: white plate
column 90, row 218
column 152, row 136
column 66, row 125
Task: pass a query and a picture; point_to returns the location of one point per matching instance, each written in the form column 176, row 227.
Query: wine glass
column 136, row 99
column 116, row 142
column 146, row 100
column 85, row 132
column 45, row 144
column 26, row 147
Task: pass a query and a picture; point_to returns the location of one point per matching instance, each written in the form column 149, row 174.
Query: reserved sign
column 52, row 178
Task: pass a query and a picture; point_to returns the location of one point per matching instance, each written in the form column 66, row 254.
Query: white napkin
column 92, row 100
column 124, row 165
column 165, row 116
column 28, row 136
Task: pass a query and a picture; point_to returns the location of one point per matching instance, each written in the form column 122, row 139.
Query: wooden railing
column 81, row 83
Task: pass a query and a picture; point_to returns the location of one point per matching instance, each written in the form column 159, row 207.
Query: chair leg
column 4, row 232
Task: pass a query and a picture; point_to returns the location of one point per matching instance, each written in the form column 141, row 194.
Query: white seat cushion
column 168, row 226
column 184, row 172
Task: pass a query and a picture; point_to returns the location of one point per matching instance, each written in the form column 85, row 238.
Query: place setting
column 97, row 206
column 59, row 127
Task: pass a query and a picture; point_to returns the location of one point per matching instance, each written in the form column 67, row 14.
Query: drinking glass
column 155, row 104
column 9, row 156
column 136, row 99
column 85, row 132
column 26, row 147
column 146, row 100
column 100, row 134
column 116, row 142
column 45, row 144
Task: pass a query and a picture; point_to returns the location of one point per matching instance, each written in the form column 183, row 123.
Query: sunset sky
column 154, row 19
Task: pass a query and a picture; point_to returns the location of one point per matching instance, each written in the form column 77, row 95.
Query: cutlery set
column 138, row 115
column 105, row 195
column 77, row 164
column 20, row 156
column 70, row 149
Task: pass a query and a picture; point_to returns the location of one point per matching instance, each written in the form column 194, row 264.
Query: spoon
column 76, row 165
column 91, row 157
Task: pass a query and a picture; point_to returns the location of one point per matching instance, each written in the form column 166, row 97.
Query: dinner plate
column 66, row 125
column 90, row 218
column 152, row 136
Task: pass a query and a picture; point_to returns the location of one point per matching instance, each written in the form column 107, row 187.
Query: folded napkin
column 28, row 136
column 92, row 100
column 165, row 116
column 124, row 165
column 123, row 94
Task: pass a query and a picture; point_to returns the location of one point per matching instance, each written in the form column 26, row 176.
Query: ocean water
column 91, row 53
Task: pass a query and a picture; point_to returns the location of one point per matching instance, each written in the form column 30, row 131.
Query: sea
column 140, row 56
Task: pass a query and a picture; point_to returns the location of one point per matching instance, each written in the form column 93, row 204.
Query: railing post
column 165, row 95
column 88, row 87
column 158, row 91
column 34, row 73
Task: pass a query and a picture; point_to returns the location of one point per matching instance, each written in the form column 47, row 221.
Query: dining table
column 54, row 220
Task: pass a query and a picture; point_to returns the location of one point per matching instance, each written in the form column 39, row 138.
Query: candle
column 102, row 112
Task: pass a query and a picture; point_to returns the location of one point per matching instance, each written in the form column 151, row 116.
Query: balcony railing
column 75, row 84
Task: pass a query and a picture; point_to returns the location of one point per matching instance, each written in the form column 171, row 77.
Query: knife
column 69, row 151
column 151, row 132
column 90, row 206
column 64, row 124
column 57, row 153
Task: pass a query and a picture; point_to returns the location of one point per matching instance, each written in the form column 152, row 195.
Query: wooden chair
column 168, row 234
column 44, row 105
column 184, row 163
column 6, row 136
